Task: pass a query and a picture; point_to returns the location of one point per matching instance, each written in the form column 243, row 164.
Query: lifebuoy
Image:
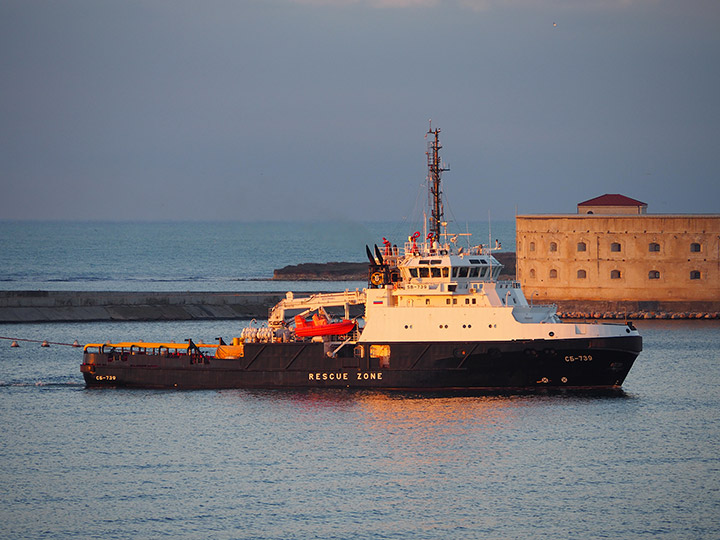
column 376, row 278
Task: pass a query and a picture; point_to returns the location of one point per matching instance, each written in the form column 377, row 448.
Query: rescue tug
column 436, row 317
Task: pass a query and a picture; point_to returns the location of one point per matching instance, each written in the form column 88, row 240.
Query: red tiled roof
column 612, row 199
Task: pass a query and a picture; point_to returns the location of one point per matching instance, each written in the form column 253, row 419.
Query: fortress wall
column 618, row 263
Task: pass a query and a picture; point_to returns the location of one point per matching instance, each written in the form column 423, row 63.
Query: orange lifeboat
column 319, row 326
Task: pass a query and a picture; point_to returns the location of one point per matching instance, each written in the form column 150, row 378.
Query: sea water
column 113, row 463
column 116, row 464
column 203, row 256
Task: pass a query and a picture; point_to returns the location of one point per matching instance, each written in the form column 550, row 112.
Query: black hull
column 601, row 363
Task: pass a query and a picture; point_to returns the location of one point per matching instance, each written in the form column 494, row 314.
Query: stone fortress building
column 613, row 251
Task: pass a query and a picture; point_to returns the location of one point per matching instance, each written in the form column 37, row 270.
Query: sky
column 317, row 109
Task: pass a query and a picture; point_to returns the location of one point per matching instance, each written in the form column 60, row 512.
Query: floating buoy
column 14, row 344
column 45, row 344
column 75, row 343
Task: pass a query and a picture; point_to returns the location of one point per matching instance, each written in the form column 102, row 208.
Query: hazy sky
column 317, row 109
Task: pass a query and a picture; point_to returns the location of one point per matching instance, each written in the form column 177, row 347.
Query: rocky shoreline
column 633, row 310
column 332, row 271
column 358, row 271
column 636, row 315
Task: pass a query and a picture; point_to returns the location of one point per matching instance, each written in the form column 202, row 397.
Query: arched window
column 615, row 274
column 695, row 274
column 654, row 246
column 532, row 273
column 581, row 274
column 582, row 246
column 653, row 274
column 615, row 246
column 532, row 246
column 553, row 246
column 553, row 274
column 695, row 247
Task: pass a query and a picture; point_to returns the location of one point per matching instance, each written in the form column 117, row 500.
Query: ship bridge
column 441, row 263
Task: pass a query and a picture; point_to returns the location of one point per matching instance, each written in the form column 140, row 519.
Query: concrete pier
column 62, row 306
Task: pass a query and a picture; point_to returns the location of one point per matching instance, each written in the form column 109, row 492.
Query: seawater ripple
column 270, row 464
column 177, row 256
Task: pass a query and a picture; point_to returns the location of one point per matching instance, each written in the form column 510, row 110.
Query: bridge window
column 553, row 246
column 435, row 271
column 695, row 274
column 424, row 272
column 654, row 274
column 474, row 272
column 553, row 274
column 463, row 271
column 615, row 246
column 654, row 247
column 695, row 247
column 413, row 272
column 615, row 274
column 581, row 274
column 582, row 246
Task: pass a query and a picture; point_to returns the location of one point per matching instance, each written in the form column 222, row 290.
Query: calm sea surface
column 116, row 464
column 194, row 256
column 78, row 463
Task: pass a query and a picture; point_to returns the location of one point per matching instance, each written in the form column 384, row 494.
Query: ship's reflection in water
column 447, row 464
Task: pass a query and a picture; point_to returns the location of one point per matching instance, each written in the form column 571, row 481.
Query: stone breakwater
column 63, row 306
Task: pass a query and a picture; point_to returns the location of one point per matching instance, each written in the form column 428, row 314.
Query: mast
column 435, row 169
